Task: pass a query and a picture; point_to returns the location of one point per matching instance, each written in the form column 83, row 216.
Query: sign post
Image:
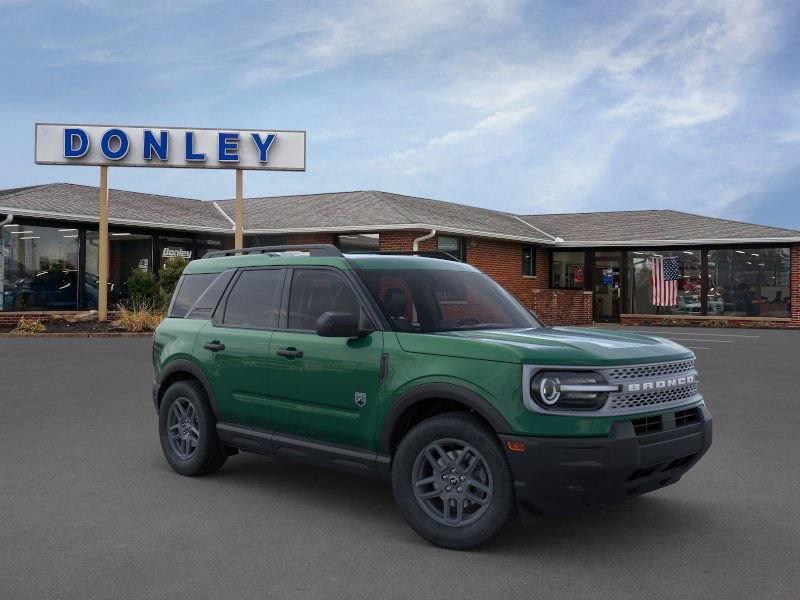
column 175, row 147
column 103, row 253
column 238, row 236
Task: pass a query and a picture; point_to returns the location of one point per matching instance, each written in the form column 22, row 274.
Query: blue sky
column 556, row 106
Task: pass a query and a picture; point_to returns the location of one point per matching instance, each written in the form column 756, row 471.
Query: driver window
column 317, row 291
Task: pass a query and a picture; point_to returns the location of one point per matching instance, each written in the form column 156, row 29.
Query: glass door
column 607, row 286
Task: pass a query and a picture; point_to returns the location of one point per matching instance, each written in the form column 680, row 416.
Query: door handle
column 214, row 346
column 290, row 352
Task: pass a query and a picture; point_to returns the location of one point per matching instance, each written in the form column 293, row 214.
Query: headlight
column 570, row 390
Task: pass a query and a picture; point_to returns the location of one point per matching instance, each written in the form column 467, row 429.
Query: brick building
column 569, row 268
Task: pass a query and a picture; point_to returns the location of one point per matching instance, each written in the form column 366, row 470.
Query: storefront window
column 128, row 251
column 176, row 247
column 254, row 240
column 568, row 270
column 39, row 268
column 666, row 282
column 209, row 245
column 747, row 282
column 359, row 242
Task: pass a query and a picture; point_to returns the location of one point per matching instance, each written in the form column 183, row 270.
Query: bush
column 169, row 275
column 26, row 325
column 139, row 317
column 143, row 288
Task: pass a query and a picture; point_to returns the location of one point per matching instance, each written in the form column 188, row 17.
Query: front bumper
column 561, row 475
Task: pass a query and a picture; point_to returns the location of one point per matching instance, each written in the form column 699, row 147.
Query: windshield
column 432, row 300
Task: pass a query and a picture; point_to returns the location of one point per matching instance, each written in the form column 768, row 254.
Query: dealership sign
column 193, row 148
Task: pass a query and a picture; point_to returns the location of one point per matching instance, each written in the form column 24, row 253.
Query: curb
column 121, row 334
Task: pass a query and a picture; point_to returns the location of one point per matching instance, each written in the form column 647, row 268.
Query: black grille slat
column 648, row 371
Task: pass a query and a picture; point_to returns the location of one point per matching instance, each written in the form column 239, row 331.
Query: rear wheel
column 187, row 430
column 452, row 481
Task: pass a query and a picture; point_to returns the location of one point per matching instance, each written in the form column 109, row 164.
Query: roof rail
column 312, row 249
column 425, row 253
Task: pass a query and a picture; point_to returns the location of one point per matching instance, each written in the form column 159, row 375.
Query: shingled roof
column 374, row 210
column 79, row 202
column 364, row 211
column 645, row 226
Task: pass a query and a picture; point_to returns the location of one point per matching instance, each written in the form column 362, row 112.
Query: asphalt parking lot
column 89, row 508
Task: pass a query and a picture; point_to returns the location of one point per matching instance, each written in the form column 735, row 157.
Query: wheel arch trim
column 439, row 391
column 185, row 366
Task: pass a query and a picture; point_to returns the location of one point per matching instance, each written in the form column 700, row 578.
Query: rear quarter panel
column 174, row 339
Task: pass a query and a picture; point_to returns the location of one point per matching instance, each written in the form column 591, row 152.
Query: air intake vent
column 651, row 424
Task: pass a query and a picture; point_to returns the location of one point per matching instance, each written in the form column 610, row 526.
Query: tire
column 429, row 496
column 197, row 451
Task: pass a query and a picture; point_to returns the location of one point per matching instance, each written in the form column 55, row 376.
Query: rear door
column 233, row 346
column 324, row 388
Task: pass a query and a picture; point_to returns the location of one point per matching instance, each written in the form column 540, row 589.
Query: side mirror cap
column 339, row 324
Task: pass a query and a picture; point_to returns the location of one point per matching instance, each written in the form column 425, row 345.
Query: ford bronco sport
column 423, row 371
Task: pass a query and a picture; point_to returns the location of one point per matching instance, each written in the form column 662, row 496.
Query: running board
column 342, row 458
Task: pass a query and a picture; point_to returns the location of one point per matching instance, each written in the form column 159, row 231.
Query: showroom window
column 529, row 260
column 176, row 247
column 568, row 270
column 748, row 282
column 128, row 251
column 359, row 242
column 454, row 246
column 39, row 267
column 211, row 244
column 666, row 282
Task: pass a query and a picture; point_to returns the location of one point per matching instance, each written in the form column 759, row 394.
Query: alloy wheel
column 452, row 482
column 183, row 428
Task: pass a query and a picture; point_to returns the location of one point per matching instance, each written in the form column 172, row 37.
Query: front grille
column 648, row 371
column 626, row 402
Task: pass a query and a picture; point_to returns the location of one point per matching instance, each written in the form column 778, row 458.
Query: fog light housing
column 570, row 390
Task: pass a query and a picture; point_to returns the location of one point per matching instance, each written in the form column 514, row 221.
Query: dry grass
column 26, row 325
column 138, row 318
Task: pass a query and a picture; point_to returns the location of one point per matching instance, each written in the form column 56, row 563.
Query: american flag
column 664, row 277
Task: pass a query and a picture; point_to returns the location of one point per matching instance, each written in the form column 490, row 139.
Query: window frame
column 588, row 262
column 533, row 260
column 218, row 317
column 365, row 300
column 462, row 247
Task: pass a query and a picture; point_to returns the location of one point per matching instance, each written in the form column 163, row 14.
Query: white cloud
column 476, row 143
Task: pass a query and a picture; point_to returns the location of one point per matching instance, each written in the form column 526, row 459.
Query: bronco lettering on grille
column 660, row 384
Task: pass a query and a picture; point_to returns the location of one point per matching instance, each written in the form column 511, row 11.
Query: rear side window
column 189, row 289
column 204, row 306
column 254, row 300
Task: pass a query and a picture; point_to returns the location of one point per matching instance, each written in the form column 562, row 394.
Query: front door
column 607, row 286
column 324, row 388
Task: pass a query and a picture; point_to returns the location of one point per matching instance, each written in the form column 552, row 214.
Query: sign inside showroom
column 192, row 148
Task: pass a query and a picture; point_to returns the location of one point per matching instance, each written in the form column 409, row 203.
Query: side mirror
column 339, row 324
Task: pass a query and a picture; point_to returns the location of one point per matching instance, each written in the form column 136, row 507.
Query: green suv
column 423, row 371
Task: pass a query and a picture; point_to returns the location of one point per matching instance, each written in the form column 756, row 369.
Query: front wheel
column 452, row 482
column 187, row 430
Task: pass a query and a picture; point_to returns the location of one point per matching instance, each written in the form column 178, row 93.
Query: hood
column 548, row 346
